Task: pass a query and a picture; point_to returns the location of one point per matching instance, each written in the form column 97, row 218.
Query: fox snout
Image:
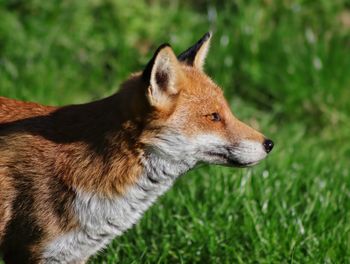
column 248, row 152
column 247, row 146
column 241, row 153
column 234, row 143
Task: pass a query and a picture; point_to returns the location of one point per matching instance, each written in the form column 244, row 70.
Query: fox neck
column 104, row 218
column 158, row 168
column 119, row 213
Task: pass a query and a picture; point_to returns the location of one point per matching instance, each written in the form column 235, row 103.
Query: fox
column 73, row 178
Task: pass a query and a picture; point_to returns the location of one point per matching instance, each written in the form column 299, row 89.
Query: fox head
column 193, row 120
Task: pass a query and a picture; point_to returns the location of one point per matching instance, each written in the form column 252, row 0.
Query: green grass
column 285, row 69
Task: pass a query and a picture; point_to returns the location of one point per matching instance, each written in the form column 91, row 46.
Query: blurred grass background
column 285, row 69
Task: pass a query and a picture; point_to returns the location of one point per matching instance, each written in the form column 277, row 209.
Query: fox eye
column 215, row 117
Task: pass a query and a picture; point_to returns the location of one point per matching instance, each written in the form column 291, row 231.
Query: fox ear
column 162, row 73
column 195, row 55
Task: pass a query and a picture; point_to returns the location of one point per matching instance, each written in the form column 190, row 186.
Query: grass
column 285, row 69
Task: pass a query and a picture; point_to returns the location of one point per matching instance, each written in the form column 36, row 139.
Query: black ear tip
column 207, row 35
column 205, row 38
column 164, row 45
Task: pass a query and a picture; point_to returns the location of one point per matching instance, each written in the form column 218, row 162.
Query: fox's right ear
column 162, row 74
column 195, row 55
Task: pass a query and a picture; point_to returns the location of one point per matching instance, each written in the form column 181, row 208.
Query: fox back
column 72, row 178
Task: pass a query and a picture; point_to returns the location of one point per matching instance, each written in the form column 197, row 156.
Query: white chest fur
column 102, row 219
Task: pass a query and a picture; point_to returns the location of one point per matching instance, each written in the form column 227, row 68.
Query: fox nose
column 268, row 145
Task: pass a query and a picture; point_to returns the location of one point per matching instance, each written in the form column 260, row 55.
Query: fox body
column 72, row 178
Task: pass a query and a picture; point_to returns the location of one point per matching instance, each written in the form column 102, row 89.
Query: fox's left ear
column 195, row 55
column 163, row 74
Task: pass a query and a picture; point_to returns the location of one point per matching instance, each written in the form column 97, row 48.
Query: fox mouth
column 226, row 160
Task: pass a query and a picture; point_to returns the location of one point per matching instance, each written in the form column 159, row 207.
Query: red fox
column 72, row 178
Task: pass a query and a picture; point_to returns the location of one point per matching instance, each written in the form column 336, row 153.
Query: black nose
column 268, row 145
